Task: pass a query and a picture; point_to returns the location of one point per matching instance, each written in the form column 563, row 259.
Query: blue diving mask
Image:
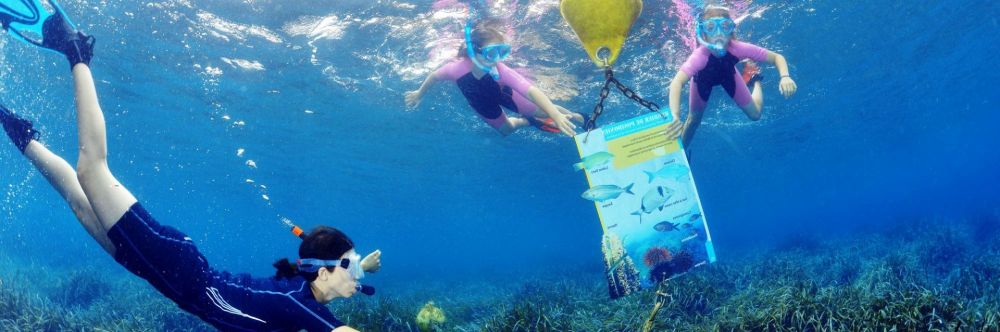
column 472, row 54
column 351, row 264
column 715, row 27
column 495, row 52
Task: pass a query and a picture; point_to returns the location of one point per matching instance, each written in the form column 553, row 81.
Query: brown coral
column 656, row 256
column 680, row 263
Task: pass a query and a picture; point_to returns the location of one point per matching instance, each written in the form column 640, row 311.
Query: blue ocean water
column 895, row 119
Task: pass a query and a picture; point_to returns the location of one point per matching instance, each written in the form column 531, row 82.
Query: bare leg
column 753, row 109
column 691, row 126
column 109, row 199
column 63, row 178
column 512, row 125
column 758, row 95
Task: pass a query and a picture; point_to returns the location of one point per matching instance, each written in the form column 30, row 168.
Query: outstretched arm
column 372, row 262
column 676, row 86
column 545, row 104
column 787, row 85
column 413, row 97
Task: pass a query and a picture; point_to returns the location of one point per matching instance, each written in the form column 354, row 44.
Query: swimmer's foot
column 751, row 73
column 20, row 131
column 546, row 124
column 60, row 36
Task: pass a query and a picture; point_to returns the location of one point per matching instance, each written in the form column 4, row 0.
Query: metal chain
column 609, row 77
column 599, row 108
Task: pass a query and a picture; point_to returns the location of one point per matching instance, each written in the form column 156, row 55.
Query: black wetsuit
column 169, row 261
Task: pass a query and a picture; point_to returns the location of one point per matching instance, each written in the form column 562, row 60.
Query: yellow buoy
column 430, row 317
column 601, row 24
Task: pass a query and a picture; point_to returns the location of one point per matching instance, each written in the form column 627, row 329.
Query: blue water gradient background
column 895, row 120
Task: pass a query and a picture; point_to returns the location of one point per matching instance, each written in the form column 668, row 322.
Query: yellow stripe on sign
column 601, row 23
column 642, row 146
column 579, row 149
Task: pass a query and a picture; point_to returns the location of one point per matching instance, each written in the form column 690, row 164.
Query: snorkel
column 470, row 50
column 353, row 265
column 718, row 28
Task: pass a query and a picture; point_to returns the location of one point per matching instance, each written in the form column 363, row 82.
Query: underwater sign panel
column 641, row 182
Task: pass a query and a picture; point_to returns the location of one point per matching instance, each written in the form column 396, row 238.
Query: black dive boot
column 62, row 37
column 18, row 129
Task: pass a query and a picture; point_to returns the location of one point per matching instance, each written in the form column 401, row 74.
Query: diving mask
column 472, row 55
column 495, row 52
column 352, row 264
column 717, row 26
column 718, row 29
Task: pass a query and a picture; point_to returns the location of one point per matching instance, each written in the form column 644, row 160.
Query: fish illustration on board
column 593, row 161
column 665, row 226
column 605, row 192
column 672, row 171
column 653, row 200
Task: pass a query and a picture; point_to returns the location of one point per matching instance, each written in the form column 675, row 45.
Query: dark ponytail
column 286, row 270
column 326, row 243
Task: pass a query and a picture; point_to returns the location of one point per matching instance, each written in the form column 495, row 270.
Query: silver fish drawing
column 605, row 192
column 695, row 217
column 653, row 200
column 672, row 171
column 593, row 161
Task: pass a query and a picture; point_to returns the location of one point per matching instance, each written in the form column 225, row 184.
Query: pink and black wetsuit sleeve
column 453, row 70
column 508, row 77
column 747, row 51
column 486, row 95
column 513, row 79
column 707, row 70
column 520, row 87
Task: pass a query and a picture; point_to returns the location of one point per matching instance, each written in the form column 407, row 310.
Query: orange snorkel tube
column 298, row 232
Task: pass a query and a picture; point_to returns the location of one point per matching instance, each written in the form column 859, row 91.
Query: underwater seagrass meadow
column 868, row 201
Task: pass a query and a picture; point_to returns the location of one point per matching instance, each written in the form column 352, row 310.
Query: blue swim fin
column 25, row 18
column 31, row 22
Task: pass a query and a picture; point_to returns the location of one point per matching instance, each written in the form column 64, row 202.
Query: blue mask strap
column 472, row 54
column 313, row 265
column 353, row 265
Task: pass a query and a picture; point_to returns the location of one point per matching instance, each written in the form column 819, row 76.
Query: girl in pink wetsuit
column 714, row 63
column 488, row 85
